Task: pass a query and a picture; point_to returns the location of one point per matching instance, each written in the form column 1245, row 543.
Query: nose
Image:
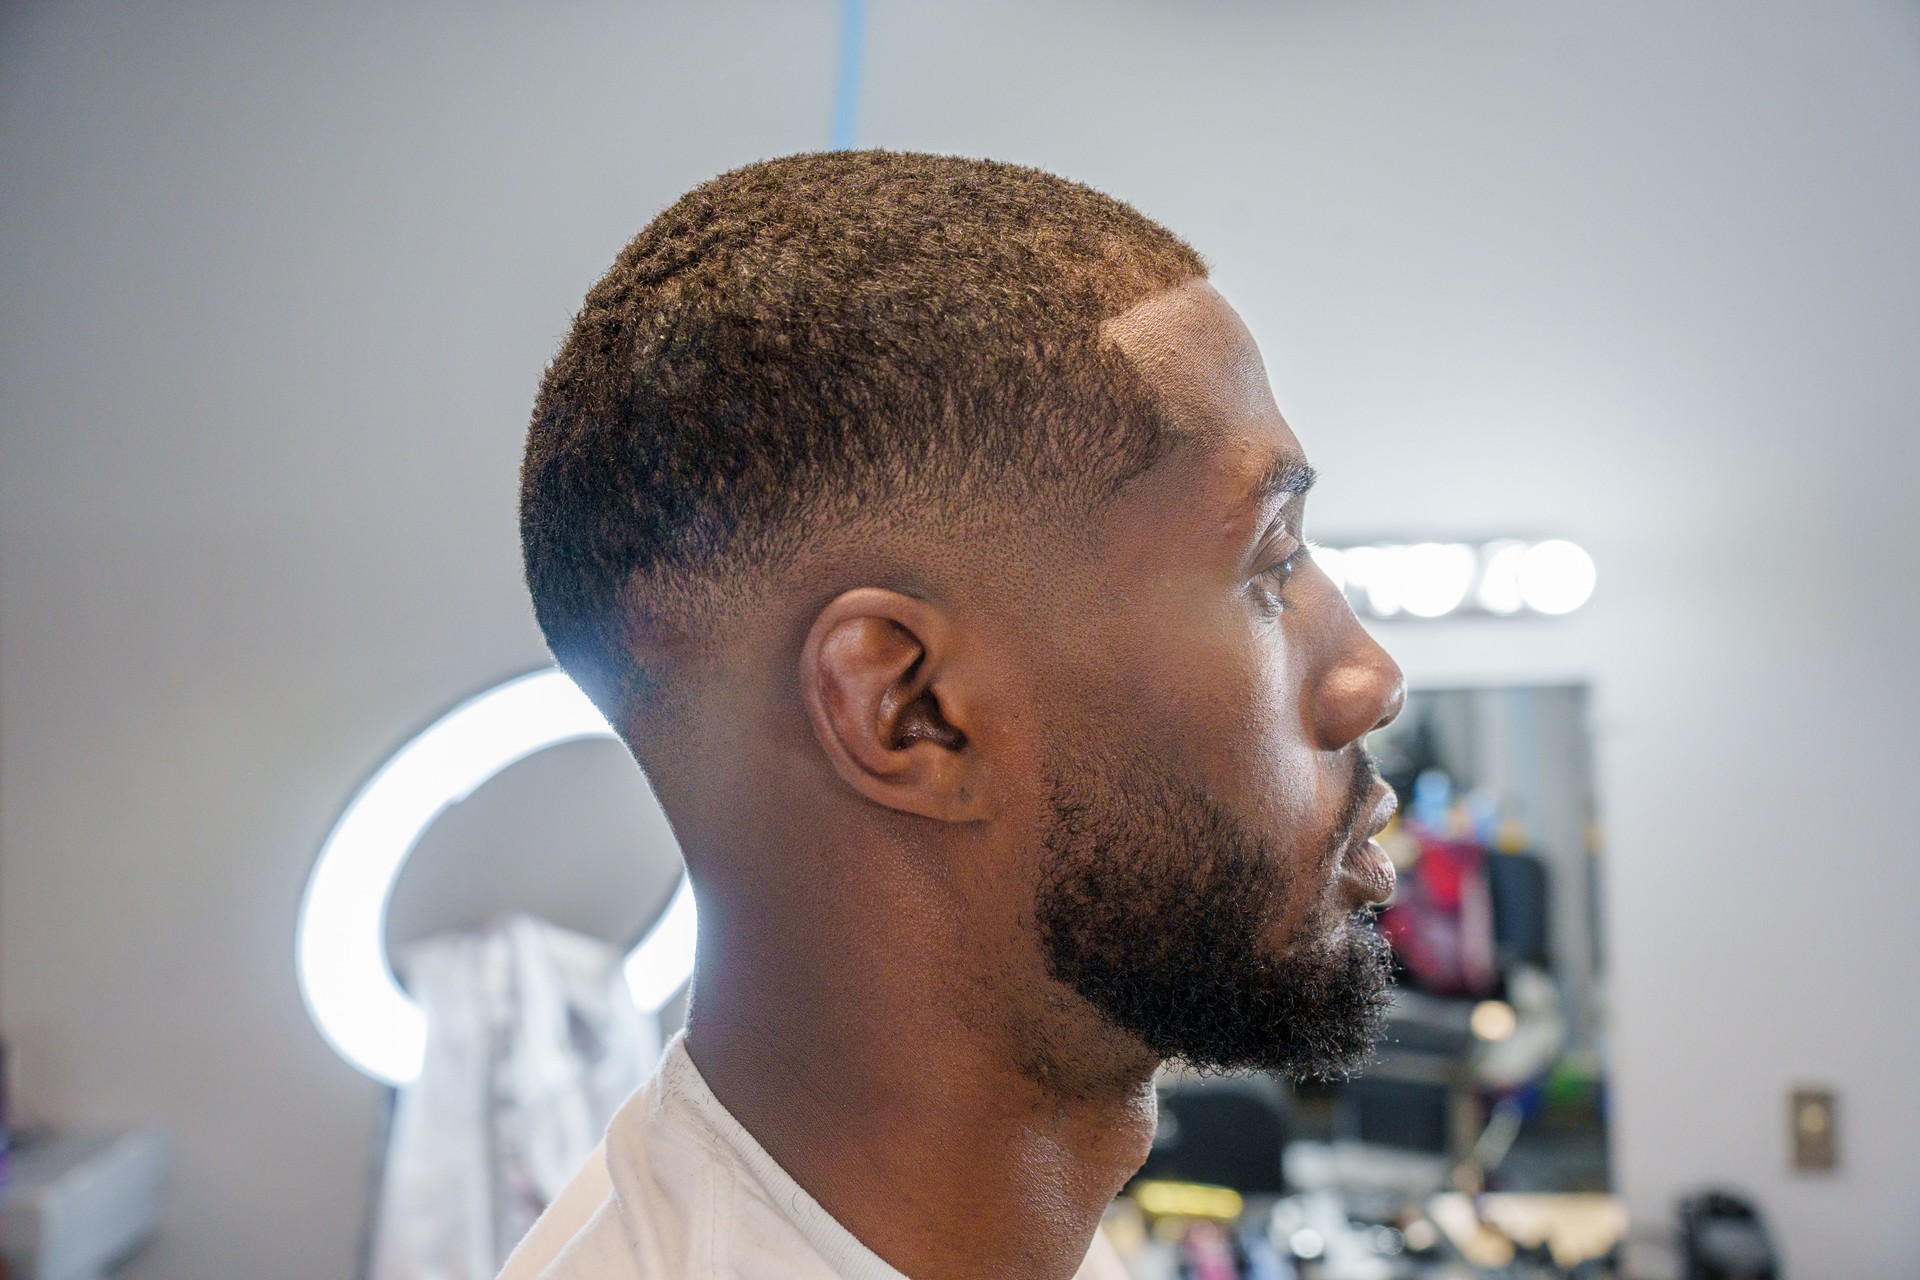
column 1359, row 691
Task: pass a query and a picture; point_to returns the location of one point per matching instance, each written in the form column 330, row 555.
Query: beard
column 1158, row 905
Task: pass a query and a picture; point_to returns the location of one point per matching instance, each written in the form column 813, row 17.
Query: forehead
column 1202, row 362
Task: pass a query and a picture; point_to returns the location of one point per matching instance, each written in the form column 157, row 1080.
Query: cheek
column 1277, row 778
column 1235, row 697
column 1222, row 703
column 1214, row 693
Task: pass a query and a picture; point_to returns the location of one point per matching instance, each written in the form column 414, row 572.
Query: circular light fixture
column 1500, row 578
column 1332, row 562
column 1556, row 576
column 1375, row 571
column 1434, row 577
column 340, row 952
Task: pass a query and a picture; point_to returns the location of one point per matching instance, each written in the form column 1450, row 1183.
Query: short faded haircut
column 820, row 340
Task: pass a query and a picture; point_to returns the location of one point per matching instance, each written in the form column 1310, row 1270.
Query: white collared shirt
column 681, row 1191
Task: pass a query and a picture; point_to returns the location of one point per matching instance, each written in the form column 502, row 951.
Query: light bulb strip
column 1507, row 577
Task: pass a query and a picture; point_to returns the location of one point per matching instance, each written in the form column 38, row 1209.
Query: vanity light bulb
column 1556, row 577
column 1376, row 572
column 1500, row 579
column 1434, row 577
column 1333, row 563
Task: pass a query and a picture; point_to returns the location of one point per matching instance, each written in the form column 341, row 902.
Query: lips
column 1364, row 865
column 1369, row 870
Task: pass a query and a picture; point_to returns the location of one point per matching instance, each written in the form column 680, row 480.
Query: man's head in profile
column 929, row 530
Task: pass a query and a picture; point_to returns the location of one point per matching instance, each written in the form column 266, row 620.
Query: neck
column 886, row 1079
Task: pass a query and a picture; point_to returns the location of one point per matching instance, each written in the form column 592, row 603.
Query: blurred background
column 277, row 283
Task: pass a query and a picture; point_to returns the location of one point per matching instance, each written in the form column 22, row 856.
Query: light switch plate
column 1813, row 1123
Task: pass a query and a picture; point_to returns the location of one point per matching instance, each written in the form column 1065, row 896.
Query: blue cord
column 846, row 89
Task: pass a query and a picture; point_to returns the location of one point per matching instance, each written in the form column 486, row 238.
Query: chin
column 1326, row 926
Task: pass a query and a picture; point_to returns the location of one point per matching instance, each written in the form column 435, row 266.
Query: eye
column 1270, row 584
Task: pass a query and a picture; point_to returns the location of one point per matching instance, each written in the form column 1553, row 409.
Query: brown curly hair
column 820, row 339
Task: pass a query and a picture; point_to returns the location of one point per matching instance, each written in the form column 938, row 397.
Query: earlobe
column 886, row 705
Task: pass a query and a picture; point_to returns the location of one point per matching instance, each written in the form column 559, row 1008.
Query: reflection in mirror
column 1491, row 1076
column 1492, row 1062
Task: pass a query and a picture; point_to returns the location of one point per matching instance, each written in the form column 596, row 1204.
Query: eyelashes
column 1269, row 585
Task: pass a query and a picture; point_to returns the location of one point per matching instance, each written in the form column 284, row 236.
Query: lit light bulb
column 1500, row 579
column 1375, row 571
column 1434, row 577
column 1333, row 563
column 1555, row 577
column 1493, row 1021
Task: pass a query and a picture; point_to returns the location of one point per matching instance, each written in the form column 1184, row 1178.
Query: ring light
column 345, row 979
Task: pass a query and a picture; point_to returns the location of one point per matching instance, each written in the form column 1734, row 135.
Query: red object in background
column 1445, row 867
column 1441, row 921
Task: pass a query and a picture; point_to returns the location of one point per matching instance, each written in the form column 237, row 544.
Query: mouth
column 1365, row 871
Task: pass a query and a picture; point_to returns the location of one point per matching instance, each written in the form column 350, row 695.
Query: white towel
column 533, row 1042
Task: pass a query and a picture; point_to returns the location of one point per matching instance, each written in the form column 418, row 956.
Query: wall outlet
column 1813, row 1122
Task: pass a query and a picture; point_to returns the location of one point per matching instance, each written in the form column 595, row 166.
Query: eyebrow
column 1285, row 477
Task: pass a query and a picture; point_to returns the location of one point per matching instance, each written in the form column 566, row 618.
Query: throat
column 921, row 1130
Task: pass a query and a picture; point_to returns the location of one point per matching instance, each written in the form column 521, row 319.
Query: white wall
column 276, row 283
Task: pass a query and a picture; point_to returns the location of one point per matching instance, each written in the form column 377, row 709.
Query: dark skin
column 860, row 789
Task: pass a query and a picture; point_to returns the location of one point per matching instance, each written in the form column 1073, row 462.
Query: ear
column 890, row 708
